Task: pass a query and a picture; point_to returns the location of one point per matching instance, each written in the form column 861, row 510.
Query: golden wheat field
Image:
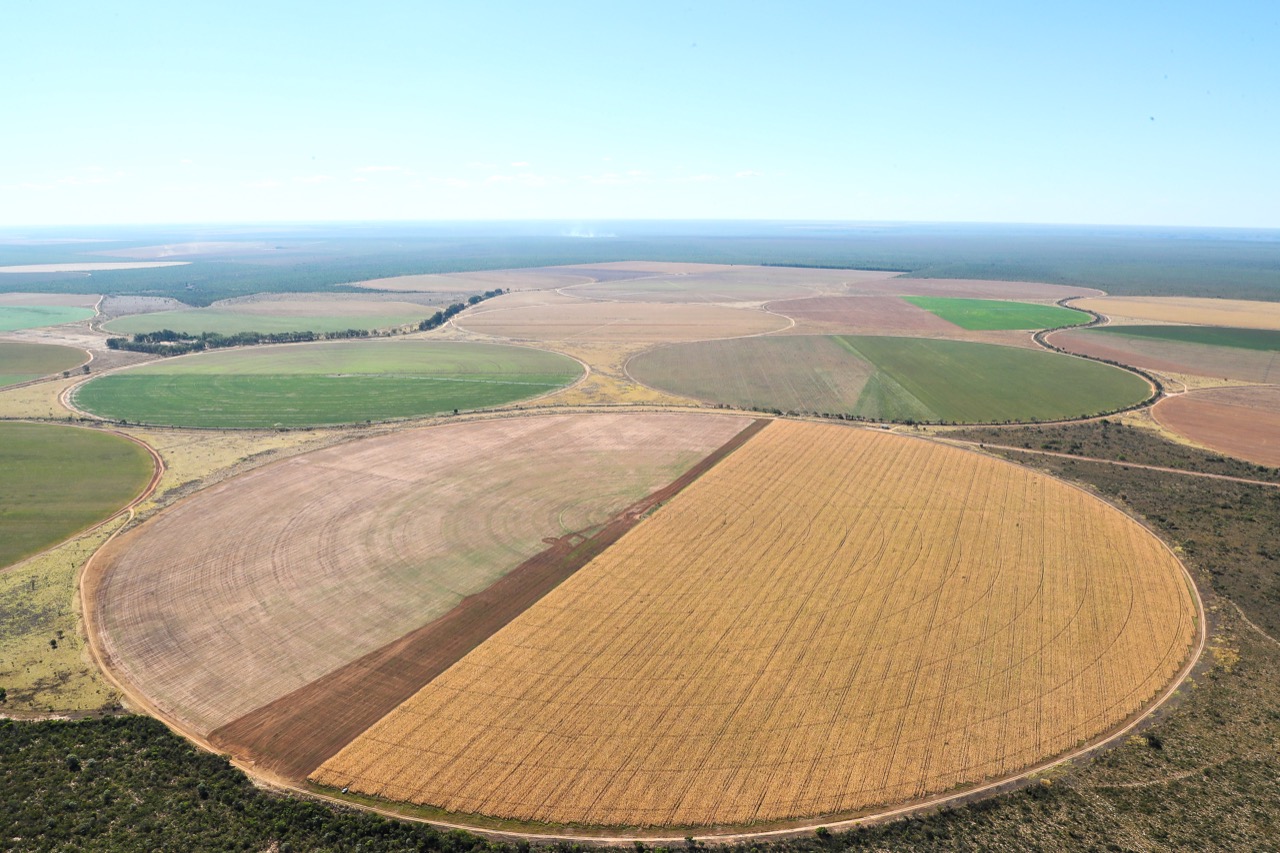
column 1241, row 313
column 829, row 620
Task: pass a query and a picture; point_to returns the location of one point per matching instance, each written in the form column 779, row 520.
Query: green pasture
column 20, row 362
column 59, row 480
column 325, row 383
column 222, row 321
column 14, row 317
column 995, row 314
column 1264, row 340
column 888, row 378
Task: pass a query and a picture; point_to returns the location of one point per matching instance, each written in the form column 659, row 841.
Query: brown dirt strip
column 296, row 733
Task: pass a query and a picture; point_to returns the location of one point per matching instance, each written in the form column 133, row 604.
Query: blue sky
column 1133, row 113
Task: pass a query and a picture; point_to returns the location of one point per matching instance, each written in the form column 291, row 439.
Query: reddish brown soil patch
column 1240, row 422
column 298, row 732
column 1173, row 356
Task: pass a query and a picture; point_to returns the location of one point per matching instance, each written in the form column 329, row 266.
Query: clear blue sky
column 1126, row 113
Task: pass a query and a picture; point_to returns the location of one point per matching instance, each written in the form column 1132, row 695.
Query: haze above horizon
column 1140, row 114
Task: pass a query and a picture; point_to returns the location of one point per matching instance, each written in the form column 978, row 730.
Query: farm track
column 295, row 734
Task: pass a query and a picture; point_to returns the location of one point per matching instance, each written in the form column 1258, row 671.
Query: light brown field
column 91, row 267
column 310, row 307
column 829, row 620
column 882, row 315
column 621, row 322
column 474, row 282
column 1240, row 313
column 1241, row 422
column 261, row 584
column 1174, row 357
column 726, row 285
column 973, row 288
column 70, row 300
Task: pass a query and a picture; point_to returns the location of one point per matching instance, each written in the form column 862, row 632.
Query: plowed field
column 829, row 620
column 621, row 321
column 1240, row 422
column 263, row 584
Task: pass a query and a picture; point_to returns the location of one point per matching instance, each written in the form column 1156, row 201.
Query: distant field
column 620, row 322
column 14, row 317
column 888, row 378
column 327, row 383
column 276, row 316
column 729, row 284
column 830, row 620
column 20, row 362
column 1237, row 313
column 1175, row 349
column 997, row 314
column 58, row 480
column 1240, row 422
column 1255, row 339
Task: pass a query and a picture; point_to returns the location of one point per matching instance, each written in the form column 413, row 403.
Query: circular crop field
column 20, row 362
column 59, row 480
column 1243, row 422
column 806, row 622
column 889, row 378
column 326, row 383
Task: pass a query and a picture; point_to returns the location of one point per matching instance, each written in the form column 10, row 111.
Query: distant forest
column 1228, row 263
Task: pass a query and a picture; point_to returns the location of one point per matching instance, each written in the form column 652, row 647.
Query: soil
column 295, row 734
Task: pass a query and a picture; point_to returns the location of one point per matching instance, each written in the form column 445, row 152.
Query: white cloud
column 313, row 179
column 267, row 184
column 748, row 173
column 520, row 164
column 367, row 169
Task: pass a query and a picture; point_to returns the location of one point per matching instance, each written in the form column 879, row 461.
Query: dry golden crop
column 829, row 620
column 1242, row 313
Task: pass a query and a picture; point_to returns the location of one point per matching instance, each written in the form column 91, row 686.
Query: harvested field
column 1239, row 313
column 21, row 362
column 14, row 317
column 1240, row 422
column 58, row 480
column 621, row 322
column 893, row 378
column 732, row 285
column 1173, row 356
column 864, row 315
column 276, row 315
column 1266, row 340
column 325, row 384
column 830, row 620
column 211, row 626
column 296, row 733
column 994, row 314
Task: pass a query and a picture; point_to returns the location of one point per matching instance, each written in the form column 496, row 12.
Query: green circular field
column 59, row 480
column 14, row 317
column 891, row 379
column 21, row 362
column 325, row 384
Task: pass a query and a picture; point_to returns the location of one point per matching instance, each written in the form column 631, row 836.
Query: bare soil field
column 863, row 315
column 1240, row 422
column 1240, row 313
column 475, row 282
column 829, row 620
column 261, row 584
column 67, row 300
column 1027, row 291
column 621, row 322
column 732, row 285
column 1218, row 362
column 293, row 735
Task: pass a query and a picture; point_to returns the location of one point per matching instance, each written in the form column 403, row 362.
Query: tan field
column 622, row 322
column 259, row 585
column 1218, row 363
column 829, row 620
column 472, row 282
column 1240, row 422
column 975, row 288
column 71, row 300
column 1240, row 313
